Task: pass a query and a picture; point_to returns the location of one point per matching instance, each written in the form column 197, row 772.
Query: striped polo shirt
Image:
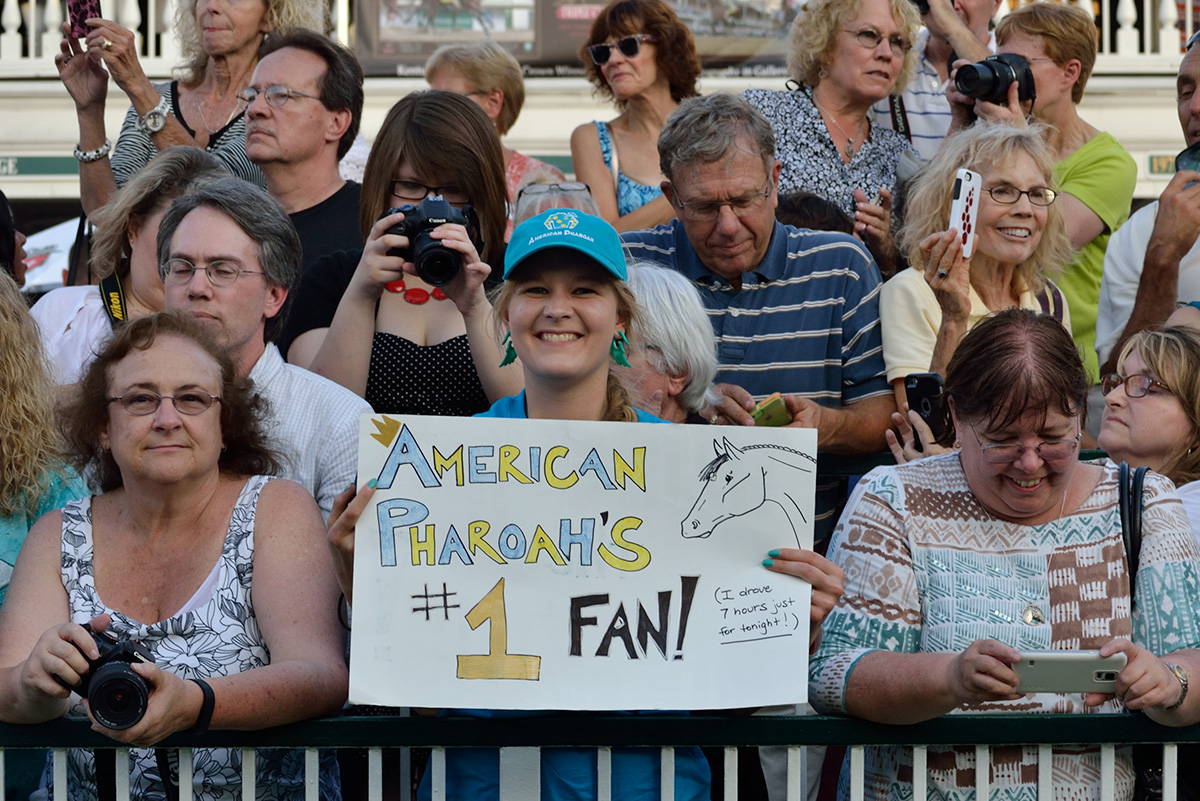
column 805, row 322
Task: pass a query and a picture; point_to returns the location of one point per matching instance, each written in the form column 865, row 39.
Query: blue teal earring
column 617, row 349
column 510, row 353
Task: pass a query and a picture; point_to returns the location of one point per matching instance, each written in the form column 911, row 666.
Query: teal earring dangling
column 617, row 349
column 510, row 353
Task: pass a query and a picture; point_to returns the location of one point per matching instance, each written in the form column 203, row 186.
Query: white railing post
column 341, row 21
column 168, row 48
column 52, row 33
column 1127, row 34
column 130, row 16
column 10, row 40
column 1168, row 33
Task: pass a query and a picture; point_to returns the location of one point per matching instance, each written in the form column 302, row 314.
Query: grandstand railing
column 608, row 731
column 1136, row 36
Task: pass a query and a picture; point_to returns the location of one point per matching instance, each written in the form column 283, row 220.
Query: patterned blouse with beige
column 928, row 569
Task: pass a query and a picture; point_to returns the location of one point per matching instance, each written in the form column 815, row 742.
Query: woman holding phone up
column 1019, row 237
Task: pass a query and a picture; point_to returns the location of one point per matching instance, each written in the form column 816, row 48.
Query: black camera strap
column 169, row 777
column 899, row 117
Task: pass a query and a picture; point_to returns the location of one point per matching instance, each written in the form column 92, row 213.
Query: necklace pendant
column 1032, row 614
column 849, row 150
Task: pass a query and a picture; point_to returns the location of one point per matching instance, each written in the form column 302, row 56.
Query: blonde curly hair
column 814, row 34
column 979, row 147
column 29, row 438
column 311, row 14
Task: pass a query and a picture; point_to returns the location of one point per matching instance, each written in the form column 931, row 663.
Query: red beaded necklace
column 415, row 296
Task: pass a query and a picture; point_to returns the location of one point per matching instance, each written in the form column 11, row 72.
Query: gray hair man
column 229, row 256
column 794, row 311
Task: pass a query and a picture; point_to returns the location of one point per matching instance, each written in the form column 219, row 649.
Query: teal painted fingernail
column 349, row 487
column 372, row 483
column 768, row 562
column 773, row 553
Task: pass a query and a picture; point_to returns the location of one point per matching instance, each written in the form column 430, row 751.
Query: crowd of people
column 180, row 432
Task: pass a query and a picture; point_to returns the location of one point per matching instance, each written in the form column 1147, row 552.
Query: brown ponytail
column 617, row 408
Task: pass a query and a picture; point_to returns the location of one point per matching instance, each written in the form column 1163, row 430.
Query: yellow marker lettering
column 443, row 463
column 422, row 545
column 564, row 482
column 641, row 554
column 507, row 454
column 637, row 473
column 542, row 542
column 476, row 532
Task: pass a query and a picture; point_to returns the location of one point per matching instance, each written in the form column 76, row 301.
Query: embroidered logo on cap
column 562, row 219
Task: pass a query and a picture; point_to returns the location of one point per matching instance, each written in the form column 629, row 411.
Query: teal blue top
column 63, row 487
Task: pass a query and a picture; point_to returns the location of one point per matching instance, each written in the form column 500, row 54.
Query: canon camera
column 437, row 265
column 989, row 79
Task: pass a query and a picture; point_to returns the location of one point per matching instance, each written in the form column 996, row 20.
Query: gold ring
column 106, row 44
column 713, row 420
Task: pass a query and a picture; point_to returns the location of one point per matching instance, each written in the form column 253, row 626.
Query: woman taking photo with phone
column 957, row 563
column 1019, row 238
column 405, row 345
column 642, row 57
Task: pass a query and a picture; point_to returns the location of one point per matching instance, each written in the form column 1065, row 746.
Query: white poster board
column 534, row 564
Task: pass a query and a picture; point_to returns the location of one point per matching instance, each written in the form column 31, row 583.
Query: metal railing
column 605, row 732
column 1135, row 36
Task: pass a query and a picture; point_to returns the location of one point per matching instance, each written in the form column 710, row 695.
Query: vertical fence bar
column 667, row 762
column 1170, row 760
column 52, row 30
column 1045, row 773
column 312, row 774
column 185, row 774
column 604, row 790
column 920, row 776
column 375, row 774
column 731, row 773
column 796, row 788
column 437, row 764
column 122, row 774
column 10, row 40
column 1108, row 772
column 60, row 771
column 983, row 769
column 857, row 773
column 249, row 774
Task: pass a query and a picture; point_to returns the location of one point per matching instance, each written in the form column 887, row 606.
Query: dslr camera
column 437, row 265
column 117, row 696
column 989, row 79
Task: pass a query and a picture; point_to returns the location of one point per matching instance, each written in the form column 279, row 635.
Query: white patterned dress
column 218, row 637
column 929, row 570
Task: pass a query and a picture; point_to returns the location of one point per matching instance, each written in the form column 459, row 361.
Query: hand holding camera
column 436, row 263
column 994, row 89
column 117, row 696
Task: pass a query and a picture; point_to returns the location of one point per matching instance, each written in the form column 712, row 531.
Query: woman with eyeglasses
column 219, row 42
column 1152, row 409
column 491, row 77
column 846, row 55
column 74, row 321
column 642, row 57
column 188, row 549
column 388, row 335
column 957, row 564
column 1019, row 238
column 536, row 198
column 1094, row 173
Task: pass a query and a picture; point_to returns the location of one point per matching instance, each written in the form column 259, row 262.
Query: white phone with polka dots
column 968, row 186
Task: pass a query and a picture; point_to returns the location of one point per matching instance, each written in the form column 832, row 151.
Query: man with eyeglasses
column 1153, row 260
column 794, row 311
column 303, row 109
column 229, row 256
column 954, row 29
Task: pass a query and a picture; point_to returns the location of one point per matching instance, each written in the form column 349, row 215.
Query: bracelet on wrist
column 1182, row 675
column 87, row 157
column 206, row 708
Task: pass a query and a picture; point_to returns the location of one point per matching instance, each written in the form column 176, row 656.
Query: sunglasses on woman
column 628, row 45
column 565, row 187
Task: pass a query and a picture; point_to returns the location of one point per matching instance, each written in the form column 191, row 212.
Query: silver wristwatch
column 154, row 119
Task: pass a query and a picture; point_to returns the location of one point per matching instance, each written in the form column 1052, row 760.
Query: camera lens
column 979, row 80
column 117, row 696
column 436, row 264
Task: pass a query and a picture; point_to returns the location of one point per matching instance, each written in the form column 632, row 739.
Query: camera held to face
column 117, row 696
column 989, row 79
column 437, row 265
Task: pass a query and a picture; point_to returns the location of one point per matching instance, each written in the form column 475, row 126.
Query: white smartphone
column 1067, row 671
column 968, row 186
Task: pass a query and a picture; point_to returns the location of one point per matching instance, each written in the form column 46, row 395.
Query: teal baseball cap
column 567, row 228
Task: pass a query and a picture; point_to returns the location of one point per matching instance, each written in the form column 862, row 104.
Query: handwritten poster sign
column 533, row 564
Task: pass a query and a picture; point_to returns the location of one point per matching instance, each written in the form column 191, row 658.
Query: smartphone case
column 771, row 412
column 79, row 10
column 968, row 186
column 1067, row 671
